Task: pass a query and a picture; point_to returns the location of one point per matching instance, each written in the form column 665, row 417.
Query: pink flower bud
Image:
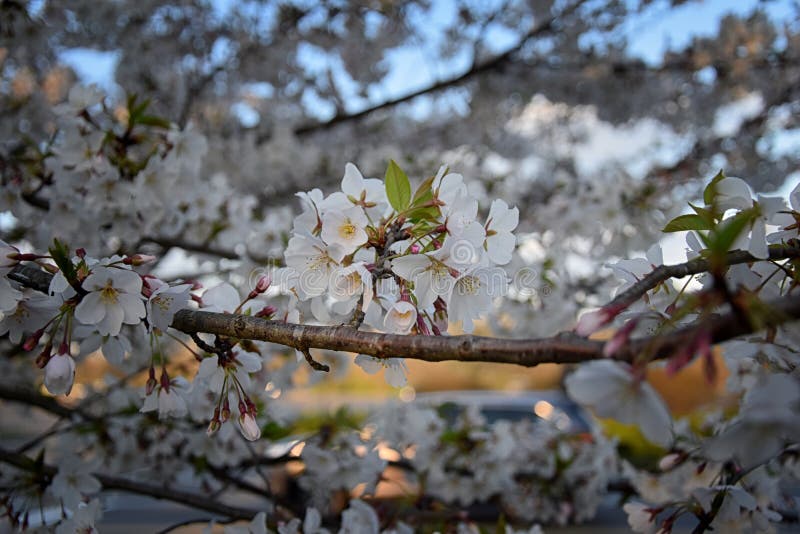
column 267, row 312
column 226, row 411
column 251, row 408
column 422, row 328
column 213, row 426
column 33, row 340
column 59, row 374
column 138, row 259
column 263, row 283
column 165, row 383
column 620, row 338
column 591, row 322
column 249, row 427
column 44, row 356
column 669, row 461
column 415, row 248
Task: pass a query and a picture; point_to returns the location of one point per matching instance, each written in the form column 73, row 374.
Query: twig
column 142, row 488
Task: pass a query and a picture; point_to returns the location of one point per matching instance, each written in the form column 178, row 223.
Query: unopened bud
column 422, row 328
column 415, row 248
column 591, row 322
column 226, row 411
column 669, row 461
column 138, row 259
column 251, row 408
column 44, row 356
column 33, row 340
column 213, row 426
column 267, row 312
column 620, row 338
column 249, row 427
column 165, row 380
column 59, row 374
column 263, row 283
column 150, row 385
column 81, row 253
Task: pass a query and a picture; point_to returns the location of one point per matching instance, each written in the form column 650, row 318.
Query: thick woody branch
column 563, row 348
column 201, row 502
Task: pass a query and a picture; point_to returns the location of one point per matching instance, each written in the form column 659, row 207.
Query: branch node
column 314, row 363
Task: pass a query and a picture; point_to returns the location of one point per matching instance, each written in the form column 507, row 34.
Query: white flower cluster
column 726, row 468
column 399, row 263
column 538, row 472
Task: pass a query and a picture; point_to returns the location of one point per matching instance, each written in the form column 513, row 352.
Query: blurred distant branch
column 547, row 26
column 157, row 491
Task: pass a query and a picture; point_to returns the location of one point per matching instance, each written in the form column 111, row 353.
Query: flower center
column 347, row 230
column 163, row 302
column 108, row 294
column 469, row 285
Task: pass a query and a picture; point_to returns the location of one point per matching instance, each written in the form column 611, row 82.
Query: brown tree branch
column 563, row 348
column 695, row 266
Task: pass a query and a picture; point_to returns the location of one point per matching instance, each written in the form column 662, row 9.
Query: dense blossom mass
column 110, row 215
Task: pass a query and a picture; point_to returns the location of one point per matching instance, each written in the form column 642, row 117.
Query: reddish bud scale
column 150, row 386
column 267, row 312
column 63, row 348
column 33, row 340
column 242, row 407
column 165, row 383
column 422, row 328
column 81, row 253
column 43, row 358
column 251, row 408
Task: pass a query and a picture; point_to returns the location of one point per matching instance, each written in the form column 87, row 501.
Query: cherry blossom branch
column 108, row 482
column 566, row 347
column 696, row 266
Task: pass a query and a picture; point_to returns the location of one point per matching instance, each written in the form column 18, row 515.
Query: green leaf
column 706, row 213
column 684, row 223
column 398, row 188
column 730, row 229
column 61, row 256
column 153, row 120
column 711, row 189
column 431, row 213
column 424, row 193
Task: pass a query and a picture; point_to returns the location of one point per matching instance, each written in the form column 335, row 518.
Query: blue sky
column 410, row 67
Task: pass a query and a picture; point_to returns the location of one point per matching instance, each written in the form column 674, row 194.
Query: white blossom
column 611, row 390
column 500, row 225
column 114, row 299
column 59, row 374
